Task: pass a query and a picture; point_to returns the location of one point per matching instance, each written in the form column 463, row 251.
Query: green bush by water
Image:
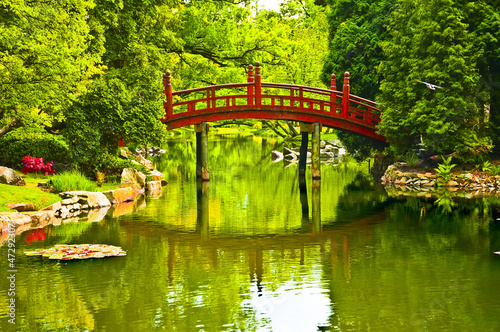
column 31, row 142
column 72, row 180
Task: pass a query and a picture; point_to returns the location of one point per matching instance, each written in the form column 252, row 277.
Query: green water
column 249, row 251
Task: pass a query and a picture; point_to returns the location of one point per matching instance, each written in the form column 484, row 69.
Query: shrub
column 444, row 169
column 72, row 180
column 31, row 142
column 411, row 159
column 36, row 165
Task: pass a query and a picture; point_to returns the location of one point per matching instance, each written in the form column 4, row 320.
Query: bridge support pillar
column 202, row 151
column 305, row 129
column 316, row 168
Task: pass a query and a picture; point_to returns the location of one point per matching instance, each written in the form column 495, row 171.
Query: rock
column 15, row 218
column 10, row 177
column 322, row 144
column 41, row 218
column 133, row 177
column 124, row 152
column 54, row 207
column 120, row 195
column 164, row 183
column 22, row 207
column 92, row 199
column 157, row 176
column 451, row 184
column 153, row 186
column 144, row 161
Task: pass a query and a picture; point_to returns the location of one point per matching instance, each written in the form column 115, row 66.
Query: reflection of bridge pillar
column 316, row 205
column 316, row 170
column 259, row 268
column 171, row 261
column 202, row 151
column 303, row 197
column 202, row 220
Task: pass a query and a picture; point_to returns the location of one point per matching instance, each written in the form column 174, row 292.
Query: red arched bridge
column 255, row 99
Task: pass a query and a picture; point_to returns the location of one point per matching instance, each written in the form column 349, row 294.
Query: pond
column 252, row 250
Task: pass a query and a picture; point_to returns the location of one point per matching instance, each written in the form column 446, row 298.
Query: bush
column 31, row 142
column 72, row 180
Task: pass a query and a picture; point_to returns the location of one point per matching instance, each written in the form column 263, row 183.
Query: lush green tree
column 431, row 42
column 483, row 19
column 357, row 29
column 45, row 59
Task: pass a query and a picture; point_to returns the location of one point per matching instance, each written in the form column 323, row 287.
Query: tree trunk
column 11, row 126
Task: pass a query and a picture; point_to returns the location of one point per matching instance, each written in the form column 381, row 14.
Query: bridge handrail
column 210, row 87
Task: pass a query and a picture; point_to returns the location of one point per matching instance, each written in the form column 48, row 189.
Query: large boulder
column 14, row 218
column 92, row 199
column 146, row 162
column 10, row 177
column 131, row 176
column 153, row 188
column 120, row 195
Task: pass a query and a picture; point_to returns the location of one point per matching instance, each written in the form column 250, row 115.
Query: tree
column 45, row 60
column 431, row 42
column 357, row 29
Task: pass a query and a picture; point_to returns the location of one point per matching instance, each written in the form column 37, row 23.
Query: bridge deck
column 255, row 99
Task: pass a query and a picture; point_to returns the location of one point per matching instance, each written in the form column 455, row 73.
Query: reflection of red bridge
column 258, row 100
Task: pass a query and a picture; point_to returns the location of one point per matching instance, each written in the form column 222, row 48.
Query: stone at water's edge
column 15, row 218
column 22, row 207
column 157, row 176
column 133, row 177
column 120, row 195
column 153, row 188
column 10, row 177
column 92, row 199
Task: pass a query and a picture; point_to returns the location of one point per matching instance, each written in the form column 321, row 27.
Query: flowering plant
column 36, row 165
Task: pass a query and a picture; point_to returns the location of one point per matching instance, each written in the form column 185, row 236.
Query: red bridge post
column 250, row 87
column 345, row 96
column 333, row 95
column 167, row 84
column 258, row 84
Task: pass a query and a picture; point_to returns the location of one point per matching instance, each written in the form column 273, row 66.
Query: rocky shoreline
column 84, row 205
column 424, row 181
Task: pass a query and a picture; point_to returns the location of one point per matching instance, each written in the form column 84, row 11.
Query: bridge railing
column 255, row 95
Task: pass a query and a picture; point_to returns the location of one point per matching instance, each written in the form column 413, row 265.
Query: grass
column 32, row 194
column 72, row 180
column 27, row 194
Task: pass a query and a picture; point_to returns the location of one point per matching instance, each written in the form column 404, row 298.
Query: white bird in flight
column 429, row 85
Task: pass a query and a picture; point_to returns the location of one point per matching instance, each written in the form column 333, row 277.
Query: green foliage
column 357, row 29
column 444, row 170
column 437, row 42
column 44, row 57
column 411, row 159
column 98, row 120
column 494, row 170
column 72, row 180
column 31, row 142
column 487, row 166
